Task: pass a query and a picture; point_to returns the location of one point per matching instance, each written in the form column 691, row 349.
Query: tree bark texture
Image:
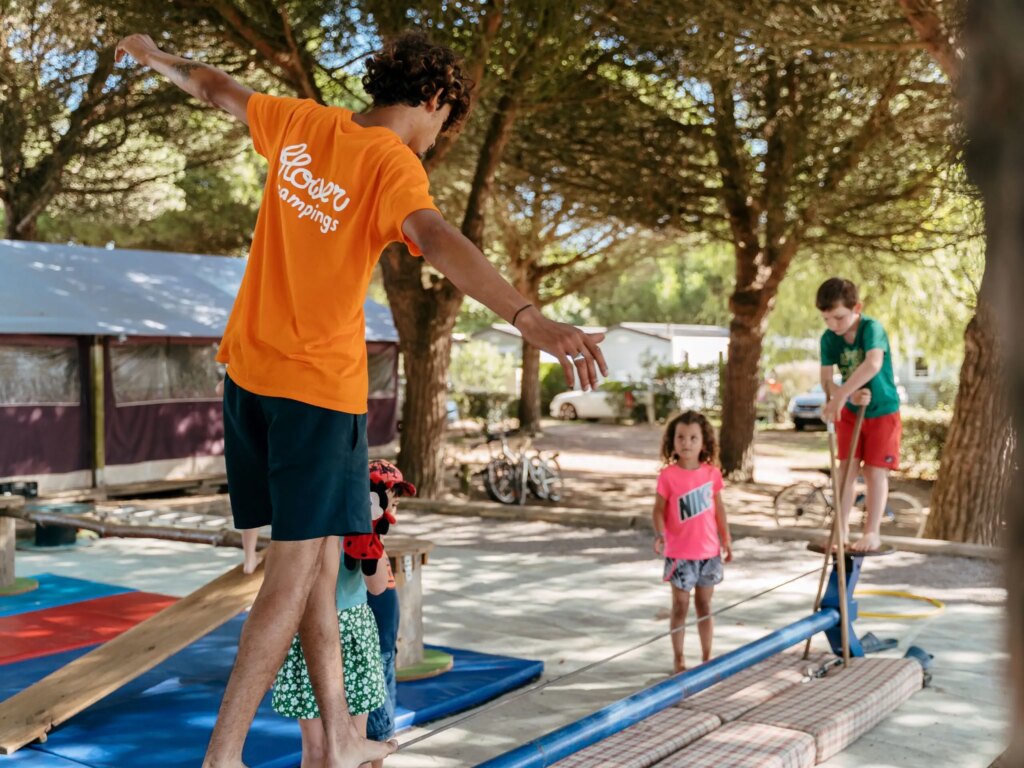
column 968, row 501
column 425, row 307
column 424, row 310
column 993, row 80
column 529, row 393
column 739, row 399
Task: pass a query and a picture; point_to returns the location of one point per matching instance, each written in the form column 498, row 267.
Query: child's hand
column 833, row 408
column 659, row 544
column 861, row 397
column 727, row 551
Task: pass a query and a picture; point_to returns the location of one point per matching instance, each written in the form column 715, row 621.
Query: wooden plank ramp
column 29, row 715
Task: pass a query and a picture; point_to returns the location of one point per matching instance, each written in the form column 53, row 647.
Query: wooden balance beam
column 32, row 713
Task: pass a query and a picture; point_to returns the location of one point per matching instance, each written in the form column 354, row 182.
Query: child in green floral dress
column 364, row 678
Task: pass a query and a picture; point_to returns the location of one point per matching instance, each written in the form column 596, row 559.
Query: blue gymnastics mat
column 54, row 591
column 164, row 717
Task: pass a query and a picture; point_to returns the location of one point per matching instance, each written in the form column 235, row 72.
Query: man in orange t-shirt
column 340, row 186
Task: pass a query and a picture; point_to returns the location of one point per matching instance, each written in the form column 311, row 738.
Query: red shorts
column 879, row 444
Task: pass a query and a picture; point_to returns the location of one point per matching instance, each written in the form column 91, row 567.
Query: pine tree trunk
column 994, row 78
column 969, row 499
column 424, row 318
column 529, row 392
column 15, row 214
column 739, row 398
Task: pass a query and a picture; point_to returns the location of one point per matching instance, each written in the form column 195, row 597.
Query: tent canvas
column 152, row 320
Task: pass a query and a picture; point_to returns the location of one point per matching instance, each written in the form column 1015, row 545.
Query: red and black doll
column 386, row 482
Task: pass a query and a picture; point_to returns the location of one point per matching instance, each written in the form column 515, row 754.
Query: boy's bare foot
column 250, row 562
column 869, row 542
column 359, row 751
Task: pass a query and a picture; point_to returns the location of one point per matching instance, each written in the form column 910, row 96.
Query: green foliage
column 552, row 381
column 627, row 399
column 478, row 366
column 684, row 386
column 217, row 216
column 481, row 380
column 924, row 435
column 683, row 284
column 894, row 291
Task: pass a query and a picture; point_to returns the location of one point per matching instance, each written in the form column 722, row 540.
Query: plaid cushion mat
column 745, row 690
column 746, row 745
column 645, row 743
column 839, row 708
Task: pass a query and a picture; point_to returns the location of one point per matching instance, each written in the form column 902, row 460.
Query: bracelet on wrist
column 516, row 315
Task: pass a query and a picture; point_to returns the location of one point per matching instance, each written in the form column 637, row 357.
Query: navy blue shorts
column 299, row 468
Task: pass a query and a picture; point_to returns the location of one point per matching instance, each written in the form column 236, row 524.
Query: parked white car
column 575, row 404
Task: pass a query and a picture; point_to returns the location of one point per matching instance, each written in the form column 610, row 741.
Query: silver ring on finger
column 578, row 356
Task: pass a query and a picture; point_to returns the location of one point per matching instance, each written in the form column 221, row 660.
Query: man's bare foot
column 869, row 542
column 361, row 750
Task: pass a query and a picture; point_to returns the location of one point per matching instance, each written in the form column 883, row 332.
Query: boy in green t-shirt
column 859, row 346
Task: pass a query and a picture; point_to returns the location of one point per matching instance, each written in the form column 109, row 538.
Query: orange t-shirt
column 336, row 195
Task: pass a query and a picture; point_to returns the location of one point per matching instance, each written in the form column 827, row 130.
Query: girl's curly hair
column 410, row 69
column 708, row 451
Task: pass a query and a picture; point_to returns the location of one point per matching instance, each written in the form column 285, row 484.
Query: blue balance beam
column 549, row 749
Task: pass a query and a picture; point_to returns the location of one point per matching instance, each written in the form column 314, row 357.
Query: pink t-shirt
column 691, row 525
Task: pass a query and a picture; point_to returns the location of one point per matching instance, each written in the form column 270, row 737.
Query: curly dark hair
column 708, row 451
column 410, row 69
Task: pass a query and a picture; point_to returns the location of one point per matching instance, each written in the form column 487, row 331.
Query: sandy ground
column 612, row 467
column 573, row 596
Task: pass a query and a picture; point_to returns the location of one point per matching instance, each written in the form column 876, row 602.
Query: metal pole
column 618, row 716
column 838, row 491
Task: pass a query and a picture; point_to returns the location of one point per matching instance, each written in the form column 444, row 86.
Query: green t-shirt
column 870, row 335
column 351, row 590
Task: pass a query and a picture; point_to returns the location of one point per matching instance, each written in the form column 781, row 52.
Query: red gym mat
column 76, row 625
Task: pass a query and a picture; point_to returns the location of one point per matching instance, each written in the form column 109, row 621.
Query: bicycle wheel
column 801, row 505
column 904, row 511
column 522, row 478
column 501, row 481
column 545, row 480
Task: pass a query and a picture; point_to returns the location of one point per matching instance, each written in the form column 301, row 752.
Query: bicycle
column 511, row 476
column 807, row 504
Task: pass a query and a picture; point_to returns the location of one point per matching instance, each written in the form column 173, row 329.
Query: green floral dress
column 360, row 648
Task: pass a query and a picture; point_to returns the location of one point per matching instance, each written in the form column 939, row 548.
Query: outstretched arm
column 455, row 256
column 208, row 84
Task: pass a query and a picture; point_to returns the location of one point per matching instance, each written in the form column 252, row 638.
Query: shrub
column 626, row 399
column 924, row 435
column 683, row 387
column 552, row 381
column 487, row 407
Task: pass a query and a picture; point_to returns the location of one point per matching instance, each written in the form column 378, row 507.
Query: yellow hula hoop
column 940, row 606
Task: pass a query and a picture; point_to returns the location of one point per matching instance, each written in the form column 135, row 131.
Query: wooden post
column 6, row 553
column 7, row 534
column 407, row 557
column 97, row 401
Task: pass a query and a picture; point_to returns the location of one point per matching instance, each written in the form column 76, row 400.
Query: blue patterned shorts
column 687, row 574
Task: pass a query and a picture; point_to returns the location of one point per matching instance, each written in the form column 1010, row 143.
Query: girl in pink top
column 691, row 530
